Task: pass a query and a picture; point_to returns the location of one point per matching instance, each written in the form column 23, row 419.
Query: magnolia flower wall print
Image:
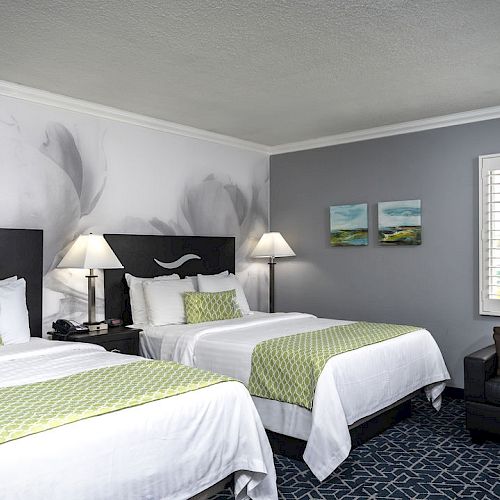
column 69, row 174
column 349, row 225
column 399, row 223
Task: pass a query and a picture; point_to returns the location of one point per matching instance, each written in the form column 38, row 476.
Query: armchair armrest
column 478, row 368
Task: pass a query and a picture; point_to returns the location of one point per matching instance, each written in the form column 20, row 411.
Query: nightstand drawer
column 126, row 346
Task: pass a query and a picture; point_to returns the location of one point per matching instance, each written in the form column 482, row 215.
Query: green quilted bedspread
column 32, row 408
column 287, row 368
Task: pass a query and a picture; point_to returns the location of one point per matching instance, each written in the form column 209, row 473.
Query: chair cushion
column 492, row 390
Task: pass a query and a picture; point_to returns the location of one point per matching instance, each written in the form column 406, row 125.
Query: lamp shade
column 91, row 251
column 272, row 245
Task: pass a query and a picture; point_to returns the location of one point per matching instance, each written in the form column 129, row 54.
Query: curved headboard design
column 21, row 254
column 148, row 256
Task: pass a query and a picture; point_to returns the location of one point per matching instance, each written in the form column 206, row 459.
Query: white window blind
column 489, row 235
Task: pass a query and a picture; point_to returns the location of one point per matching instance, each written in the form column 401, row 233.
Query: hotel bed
column 353, row 386
column 170, row 447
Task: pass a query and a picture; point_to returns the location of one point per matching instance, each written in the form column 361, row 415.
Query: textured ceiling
column 271, row 72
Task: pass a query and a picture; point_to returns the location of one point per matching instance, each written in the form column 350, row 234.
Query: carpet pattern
column 429, row 456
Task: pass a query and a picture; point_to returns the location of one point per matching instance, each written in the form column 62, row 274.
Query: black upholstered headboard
column 148, row 256
column 21, row 254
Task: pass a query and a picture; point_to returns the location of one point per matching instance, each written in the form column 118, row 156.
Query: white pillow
column 165, row 301
column 6, row 281
column 222, row 284
column 223, row 273
column 137, row 301
column 14, row 319
column 194, row 279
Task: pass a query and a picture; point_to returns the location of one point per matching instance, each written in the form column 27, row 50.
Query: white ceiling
column 271, row 72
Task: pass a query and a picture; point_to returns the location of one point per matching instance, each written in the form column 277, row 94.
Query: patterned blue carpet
column 426, row 457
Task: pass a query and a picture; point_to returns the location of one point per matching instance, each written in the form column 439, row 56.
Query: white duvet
column 168, row 449
column 352, row 385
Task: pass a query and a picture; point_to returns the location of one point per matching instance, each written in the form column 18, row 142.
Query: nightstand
column 119, row 339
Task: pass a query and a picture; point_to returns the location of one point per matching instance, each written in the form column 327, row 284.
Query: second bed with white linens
column 352, row 385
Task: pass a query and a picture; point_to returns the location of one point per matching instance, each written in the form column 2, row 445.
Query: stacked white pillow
column 160, row 301
column 137, row 300
column 194, row 279
column 217, row 283
column 14, row 318
column 165, row 301
column 6, row 281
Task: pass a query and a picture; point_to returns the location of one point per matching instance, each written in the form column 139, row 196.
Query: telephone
column 67, row 327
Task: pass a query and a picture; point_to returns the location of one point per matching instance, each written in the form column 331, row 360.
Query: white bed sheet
column 168, row 449
column 353, row 385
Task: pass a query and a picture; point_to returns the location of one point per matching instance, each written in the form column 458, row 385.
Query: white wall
column 69, row 173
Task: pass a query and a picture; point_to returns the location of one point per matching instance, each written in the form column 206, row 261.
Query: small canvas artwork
column 399, row 223
column 349, row 225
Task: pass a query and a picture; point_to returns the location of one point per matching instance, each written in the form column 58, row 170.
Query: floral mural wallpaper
column 69, row 173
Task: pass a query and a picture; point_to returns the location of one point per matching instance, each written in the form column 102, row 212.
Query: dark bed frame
column 21, row 254
column 361, row 431
column 137, row 253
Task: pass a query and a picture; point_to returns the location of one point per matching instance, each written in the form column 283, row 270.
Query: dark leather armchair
column 482, row 393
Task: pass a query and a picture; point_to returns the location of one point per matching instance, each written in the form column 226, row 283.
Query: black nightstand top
column 110, row 334
column 119, row 339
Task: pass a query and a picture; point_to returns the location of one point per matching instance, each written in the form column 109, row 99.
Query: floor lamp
column 272, row 246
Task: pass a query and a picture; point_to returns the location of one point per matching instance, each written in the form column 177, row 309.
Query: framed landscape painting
column 349, row 225
column 399, row 223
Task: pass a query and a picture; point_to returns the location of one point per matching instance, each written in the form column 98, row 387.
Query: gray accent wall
column 434, row 285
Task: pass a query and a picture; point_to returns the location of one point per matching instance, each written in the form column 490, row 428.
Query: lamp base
column 272, row 263
column 94, row 327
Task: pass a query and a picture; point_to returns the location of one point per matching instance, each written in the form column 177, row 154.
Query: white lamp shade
column 91, row 251
column 272, row 245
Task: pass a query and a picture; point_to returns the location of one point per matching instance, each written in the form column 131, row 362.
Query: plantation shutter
column 489, row 234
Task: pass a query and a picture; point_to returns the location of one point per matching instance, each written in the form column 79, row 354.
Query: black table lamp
column 272, row 246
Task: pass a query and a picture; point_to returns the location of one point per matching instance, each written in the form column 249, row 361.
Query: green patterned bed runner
column 37, row 407
column 287, row 368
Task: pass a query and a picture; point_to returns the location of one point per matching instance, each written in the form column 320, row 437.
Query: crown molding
column 18, row 91
column 476, row 115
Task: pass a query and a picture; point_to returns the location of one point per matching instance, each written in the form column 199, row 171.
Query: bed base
column 361, row 431
column 213, row 490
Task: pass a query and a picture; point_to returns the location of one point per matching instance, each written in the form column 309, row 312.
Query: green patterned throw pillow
column 210, row 306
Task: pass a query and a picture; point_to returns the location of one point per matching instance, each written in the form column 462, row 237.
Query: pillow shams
column 165, row 302
column 137, row 301
column 14, row 319
column 3, row 282
column 194, row 279
column 222, row 284
column 6, row 281
column 211, row 306
column 223, row 273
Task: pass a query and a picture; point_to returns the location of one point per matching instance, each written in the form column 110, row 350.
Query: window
column 489, row 235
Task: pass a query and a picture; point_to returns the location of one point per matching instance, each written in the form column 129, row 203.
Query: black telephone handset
column 67, row 327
